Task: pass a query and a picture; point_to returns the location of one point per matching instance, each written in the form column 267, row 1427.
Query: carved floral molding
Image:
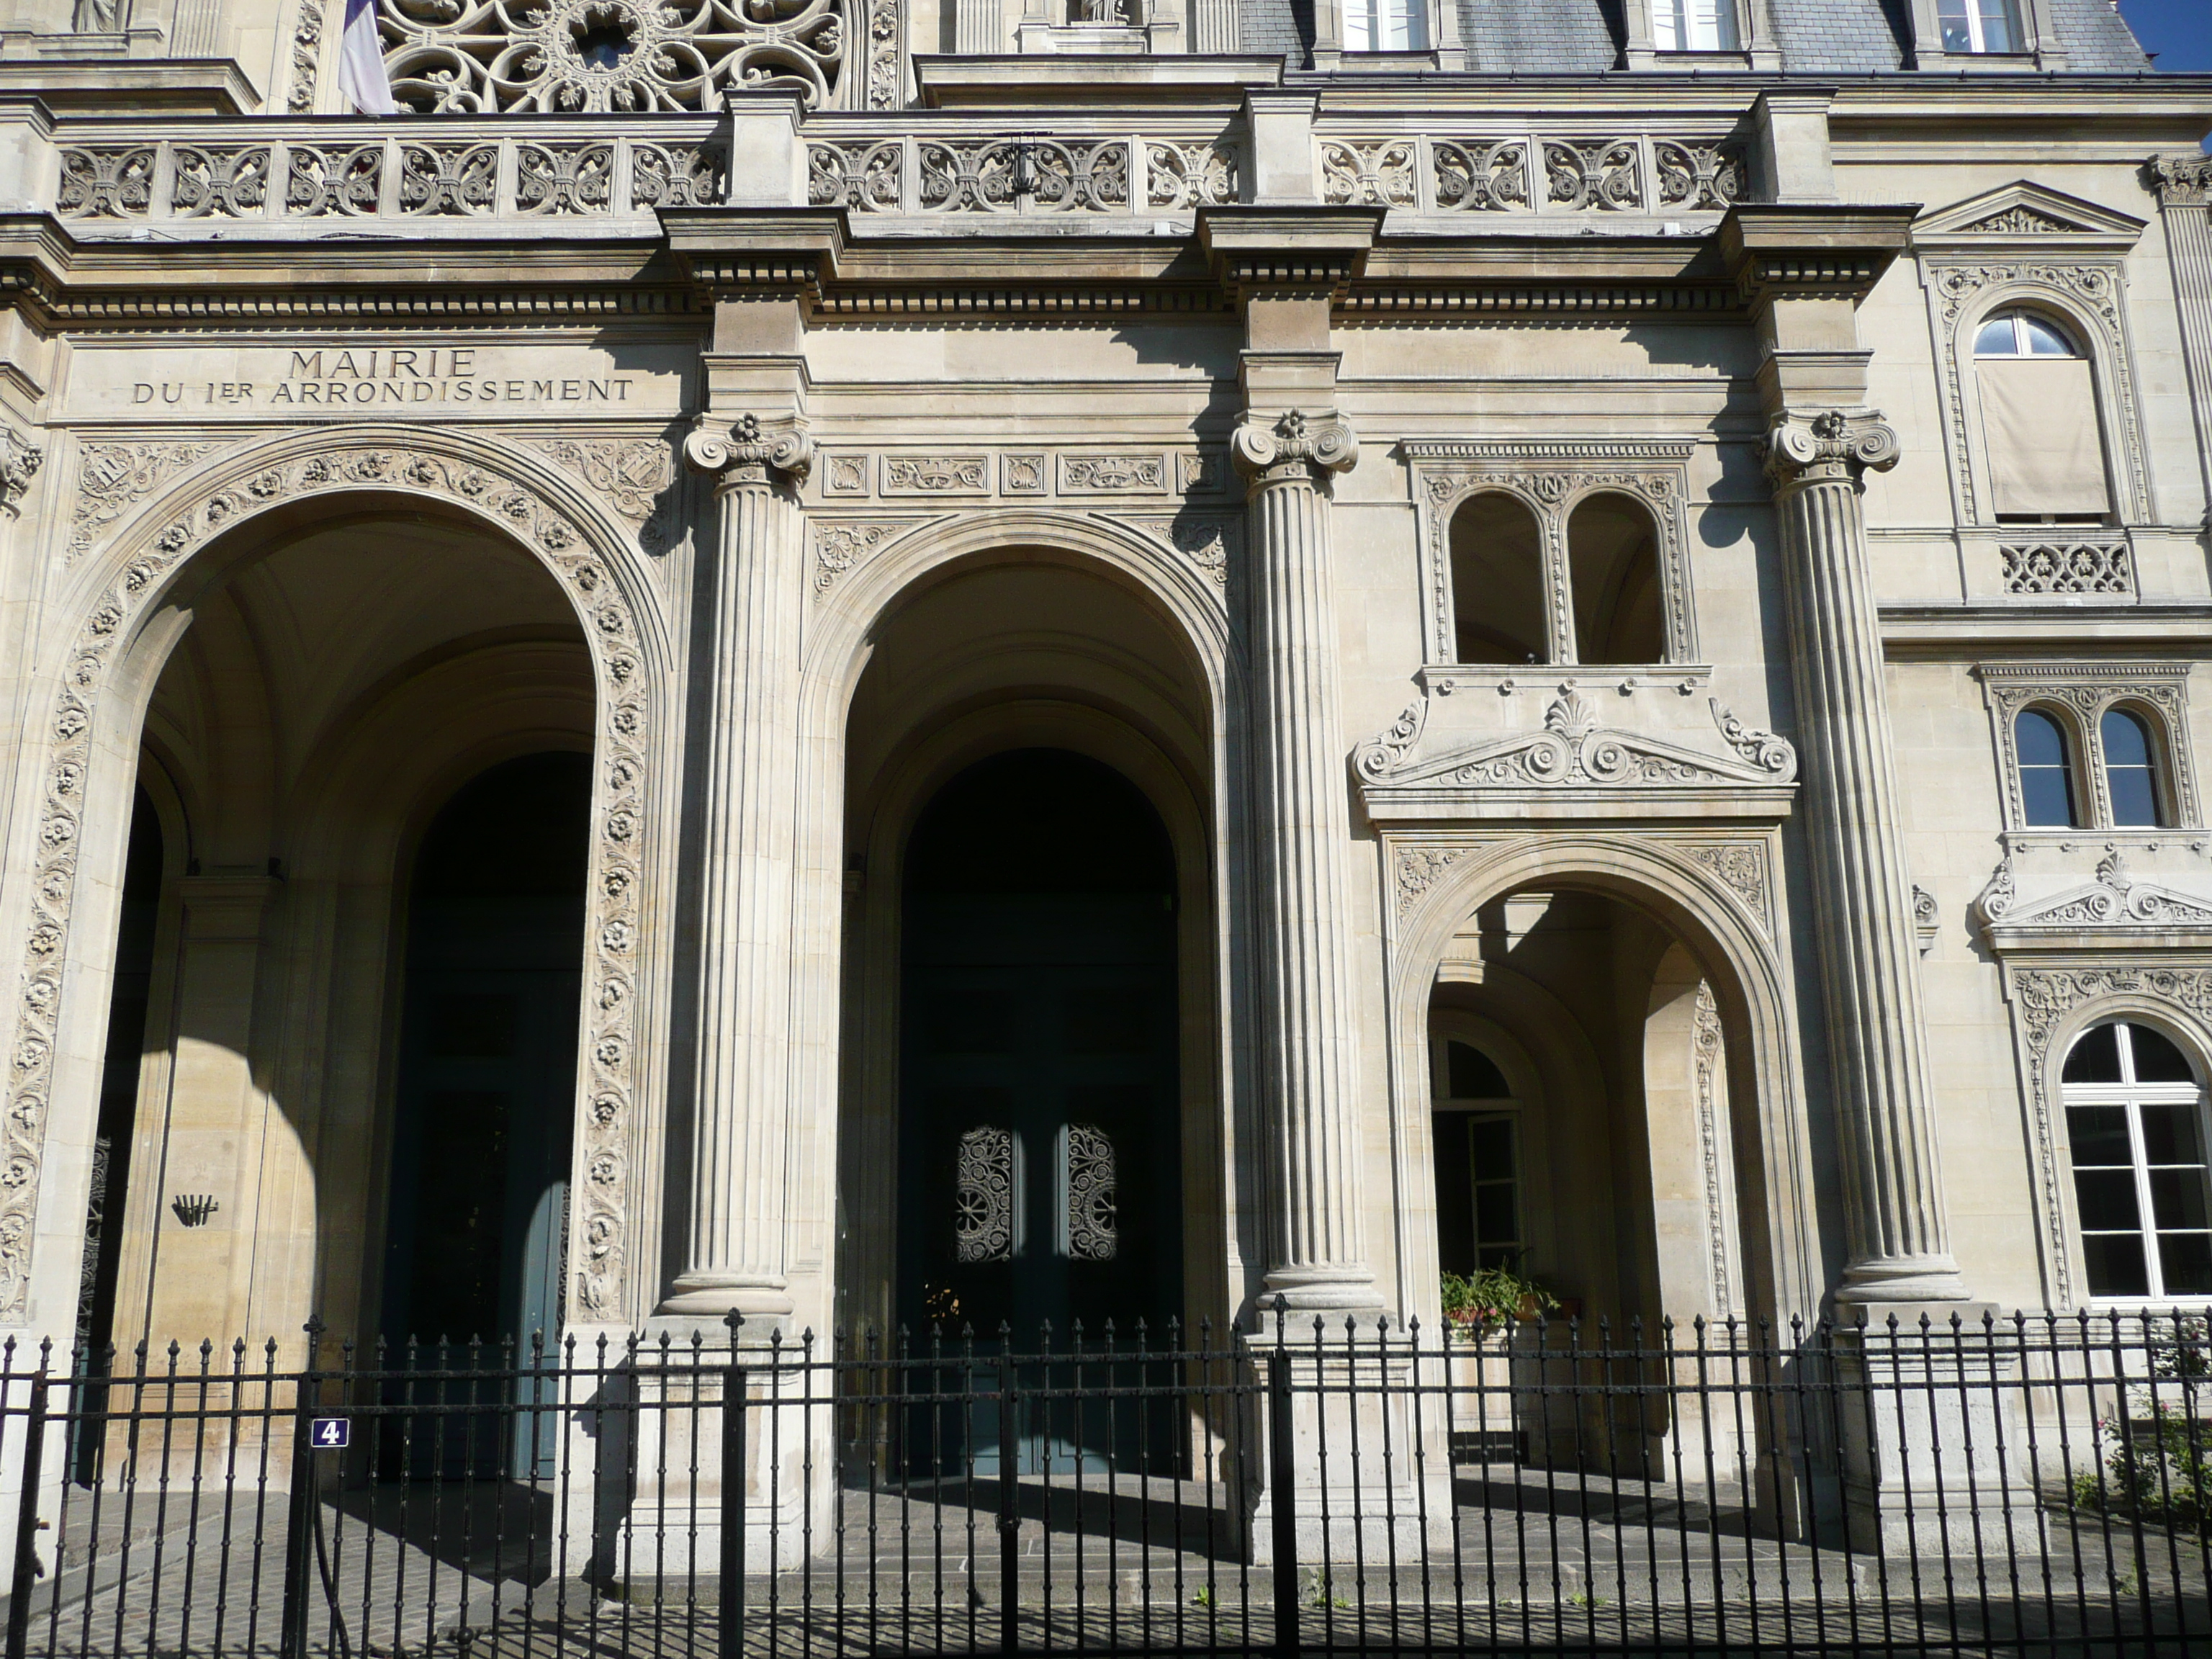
column 20, row 459
column 490, row 485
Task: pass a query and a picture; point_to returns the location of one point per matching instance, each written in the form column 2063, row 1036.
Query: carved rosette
column 1834, row 447
column 1293, row 449
column 494, row 488
column 745, row 451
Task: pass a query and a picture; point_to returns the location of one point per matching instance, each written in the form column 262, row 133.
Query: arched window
column 2047, row 772
column 1694, row 25
column 2130, row 775
column 1612, row 566
column 1385, row 25
column 1976, row 25
column 1498, row 582
column 2039, row 425
column 1477, row 1123
column 2135, row 1119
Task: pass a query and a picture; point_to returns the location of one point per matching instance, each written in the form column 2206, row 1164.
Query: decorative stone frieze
column 1204, row 541
column 1741, row 866
column 635, row 476
column 481, row 480
column 841, row 543
column 1715, row 1160
column 2068, row 567
column 307, row 58
column 19, row 464
column 1552, row 477
column 2115, row 901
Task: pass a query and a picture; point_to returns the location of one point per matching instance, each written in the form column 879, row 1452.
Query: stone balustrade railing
column 490, row 169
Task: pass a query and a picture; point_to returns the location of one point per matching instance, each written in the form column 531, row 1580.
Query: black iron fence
column 2032, row 1484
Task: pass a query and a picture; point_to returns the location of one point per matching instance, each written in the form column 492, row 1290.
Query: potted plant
column 1491, row 1295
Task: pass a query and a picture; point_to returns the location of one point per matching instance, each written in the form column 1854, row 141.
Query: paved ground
column 1542, row 1563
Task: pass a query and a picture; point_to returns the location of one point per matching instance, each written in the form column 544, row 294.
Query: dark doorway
column 487, row 1059
column 1041, row 1194
column 127, row 1006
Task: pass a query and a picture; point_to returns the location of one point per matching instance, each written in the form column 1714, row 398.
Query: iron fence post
column 27, row 1522
column 1009, row 1518
column 300, row 1508
column 731, row 1623
column 1282, row 1469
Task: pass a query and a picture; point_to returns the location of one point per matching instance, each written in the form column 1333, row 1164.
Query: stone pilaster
column 1898, row 1234
column 1308, row 1058
column 739, row 1180
column 2185, row 184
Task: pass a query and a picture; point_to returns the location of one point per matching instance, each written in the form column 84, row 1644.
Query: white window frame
column 1976, row 27
column 1361, row 20
column 1443, row 1101
column 1677, row 26
column 2134, row 1097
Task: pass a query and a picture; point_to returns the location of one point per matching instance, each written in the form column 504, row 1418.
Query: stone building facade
column 904, row 662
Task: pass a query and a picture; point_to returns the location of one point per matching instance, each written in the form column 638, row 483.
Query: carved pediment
column 2024, row 210
column 1574, row 750
column 2115, row 901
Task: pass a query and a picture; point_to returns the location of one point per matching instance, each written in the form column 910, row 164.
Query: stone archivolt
column 491, row 486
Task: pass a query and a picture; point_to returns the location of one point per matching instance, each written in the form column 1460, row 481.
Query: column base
column 1931, row 1433
column 763, row 1301
column 1908, row 1280
column 1319, row 1291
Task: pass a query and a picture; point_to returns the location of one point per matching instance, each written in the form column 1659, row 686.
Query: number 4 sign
column 330, row 1434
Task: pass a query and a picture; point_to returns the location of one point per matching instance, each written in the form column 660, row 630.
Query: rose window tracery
column 577, row 56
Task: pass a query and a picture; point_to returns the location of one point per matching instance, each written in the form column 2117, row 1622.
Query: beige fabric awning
column 2039, row 421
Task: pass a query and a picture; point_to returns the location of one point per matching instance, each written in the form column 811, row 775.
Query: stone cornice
column 733, row 249
column 1294, row 247
column 1812, row 249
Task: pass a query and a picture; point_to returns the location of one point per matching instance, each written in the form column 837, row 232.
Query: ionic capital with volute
column 1834, row 447
column 745, row 451
column 1293, row 448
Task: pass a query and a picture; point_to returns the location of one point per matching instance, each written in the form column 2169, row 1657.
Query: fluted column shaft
column 1896, row 1230
column 2185, row 183
column 1310, row 1078
column 738, row 1178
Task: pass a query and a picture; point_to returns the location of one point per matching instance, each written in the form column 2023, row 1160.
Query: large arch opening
column 320, row 682
column 1030, row 848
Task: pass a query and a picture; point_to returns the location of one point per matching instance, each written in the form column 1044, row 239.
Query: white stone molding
column 635, row 476
column 486, row 56
column 1898, row 1234
column 1210, row 542
column 980, row 474
column 2077, row 695
column 306, row 66
column 2029, row 244
column 2115, row 908
column 1441, row 875
column 113, row 476
column 841, row 543
column 886, row 71
column 2053, row 1001
column 1927, row 918
column 527, row 502
column 1715, row 1153
column 19, row 464
column 1552, row 477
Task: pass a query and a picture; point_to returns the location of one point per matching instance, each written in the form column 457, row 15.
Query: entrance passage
column 1041, row 1177
column 487, row 1059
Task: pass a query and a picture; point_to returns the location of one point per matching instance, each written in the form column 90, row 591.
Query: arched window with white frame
column 2040, row 428
column 2143, row 1192
column 1386, row 25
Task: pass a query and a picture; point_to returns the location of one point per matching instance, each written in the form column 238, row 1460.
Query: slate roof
column 1584, row 37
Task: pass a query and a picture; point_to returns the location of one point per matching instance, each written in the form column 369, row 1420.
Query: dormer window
column 1978, row 25
column 1385, row 25
column 1694, row 25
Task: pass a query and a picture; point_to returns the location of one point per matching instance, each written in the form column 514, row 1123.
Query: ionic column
column 1897, row 1233
column 1308, row 1053
column 738, row 1181
column 2185, row 183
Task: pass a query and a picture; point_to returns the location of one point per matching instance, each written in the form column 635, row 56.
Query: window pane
column 2046, row 788
column 2177, row 1199
column 1473, row 1075
column 1997, row 339
column 2128, row 769
column 2157, row 1061
column 1996, row 27
column 2100, row 1134
column 1496, row 1220
column 2107, row 1198
column 2171, row 1135
column 1490, row 1144
column 2042, row 340
column 2096, row 1057
column 2115, row 1265
column 2186, row 1260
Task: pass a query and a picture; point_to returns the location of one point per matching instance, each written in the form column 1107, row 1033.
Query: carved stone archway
column 528, row 504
